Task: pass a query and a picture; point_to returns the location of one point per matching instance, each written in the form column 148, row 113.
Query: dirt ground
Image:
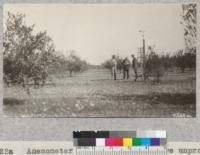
column 93, row 93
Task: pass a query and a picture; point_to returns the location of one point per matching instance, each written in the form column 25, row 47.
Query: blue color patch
column 146, row 141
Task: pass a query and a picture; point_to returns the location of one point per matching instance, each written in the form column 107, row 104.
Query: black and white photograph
column 99, row 60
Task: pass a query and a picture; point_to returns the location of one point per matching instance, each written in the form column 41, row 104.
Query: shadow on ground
column 12, row 101
column 152, row 105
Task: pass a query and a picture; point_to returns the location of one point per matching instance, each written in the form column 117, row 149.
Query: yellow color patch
column 127, row 141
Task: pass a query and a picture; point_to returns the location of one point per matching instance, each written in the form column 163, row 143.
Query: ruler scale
column 119, row 151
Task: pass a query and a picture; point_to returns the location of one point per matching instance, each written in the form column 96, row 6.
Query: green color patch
column 136, row 141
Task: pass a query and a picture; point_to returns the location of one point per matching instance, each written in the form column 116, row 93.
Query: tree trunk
column 182, row 69
column 158, row 78
column 70, row 73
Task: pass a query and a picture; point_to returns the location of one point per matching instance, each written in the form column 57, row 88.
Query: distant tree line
column 157, row 64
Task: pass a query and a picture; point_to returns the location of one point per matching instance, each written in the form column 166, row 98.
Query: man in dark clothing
column 126, row 65
column 134, row 65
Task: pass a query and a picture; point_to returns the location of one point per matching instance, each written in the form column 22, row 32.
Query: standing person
column 114, row 67
column 134, row 65
column 126, row 66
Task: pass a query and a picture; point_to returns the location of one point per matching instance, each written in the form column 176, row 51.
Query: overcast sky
column 96, row 31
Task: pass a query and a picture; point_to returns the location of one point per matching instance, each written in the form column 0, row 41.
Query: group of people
column 126, row 64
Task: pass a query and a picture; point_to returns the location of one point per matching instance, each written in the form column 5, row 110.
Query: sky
column 97, row 31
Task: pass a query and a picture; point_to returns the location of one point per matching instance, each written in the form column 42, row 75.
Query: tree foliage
column 155, row 65
column 26, row 55
column 107, row 64
column 183, row 60
column 190, row 24
column 71, row 63
column 74, row 63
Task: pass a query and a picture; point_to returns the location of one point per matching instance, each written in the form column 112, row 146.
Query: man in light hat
column 114, row 67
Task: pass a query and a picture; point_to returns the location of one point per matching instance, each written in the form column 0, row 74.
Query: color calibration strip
column 120, row 142
column 119, row 138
